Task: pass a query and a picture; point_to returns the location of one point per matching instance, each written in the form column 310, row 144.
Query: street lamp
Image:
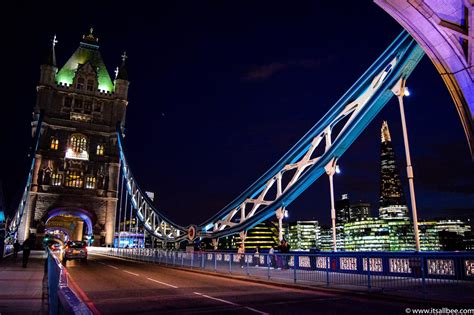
column 400, row 90
column 331, row 169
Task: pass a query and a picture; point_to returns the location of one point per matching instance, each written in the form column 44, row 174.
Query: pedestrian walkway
column 24, row 290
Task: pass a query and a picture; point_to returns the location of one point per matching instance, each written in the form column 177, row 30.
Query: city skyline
column 230, row 158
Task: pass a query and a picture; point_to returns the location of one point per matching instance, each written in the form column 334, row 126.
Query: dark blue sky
column 220, row 91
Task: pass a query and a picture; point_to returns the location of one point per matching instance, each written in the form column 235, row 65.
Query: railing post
column 230, row 263
column 327, row 270
column 423, row 276
column 269, row 262
column 294, row 268
column 202, row 260
column 192, row 260
column 247, row 264
column 215, row 262
column 369, row 285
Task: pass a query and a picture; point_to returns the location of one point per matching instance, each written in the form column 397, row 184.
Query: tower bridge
column 80, row 174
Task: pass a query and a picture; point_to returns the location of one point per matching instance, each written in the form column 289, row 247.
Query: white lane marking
column 213, row 298
column 111, row 266
column 101, row 263
column 135, row 274
column 170, row 285
column 231, row 303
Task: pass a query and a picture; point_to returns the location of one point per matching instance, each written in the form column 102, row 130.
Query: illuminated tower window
column 100, row 149
column 74, row 179
column 56, row 179
column 90, row 182
column 54, row 143
column 77, row 148
column 78, row 143
column 80, row 84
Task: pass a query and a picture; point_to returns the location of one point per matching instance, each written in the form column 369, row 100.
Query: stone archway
column 76, row 223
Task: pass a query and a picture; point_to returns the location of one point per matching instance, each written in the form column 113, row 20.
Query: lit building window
column 90, row 182
column 80, row 84
column 78, row 143
column 74, row 179
column 56, row 179
column 100, row 149
column 77, row 148
column 54, row 144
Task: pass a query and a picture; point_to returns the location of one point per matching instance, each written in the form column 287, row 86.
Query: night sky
column 220, row 90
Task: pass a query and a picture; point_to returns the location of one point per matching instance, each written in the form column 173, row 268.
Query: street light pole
column 331, row 170
column 399, row 90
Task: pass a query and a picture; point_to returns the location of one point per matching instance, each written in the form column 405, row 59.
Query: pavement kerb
column 360, row 294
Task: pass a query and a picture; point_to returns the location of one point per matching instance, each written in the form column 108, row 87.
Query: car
column 74, row 250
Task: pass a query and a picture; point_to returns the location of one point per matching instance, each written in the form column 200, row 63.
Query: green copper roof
column 84, row 54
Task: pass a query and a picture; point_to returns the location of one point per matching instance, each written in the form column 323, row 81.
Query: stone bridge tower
column 76, row 169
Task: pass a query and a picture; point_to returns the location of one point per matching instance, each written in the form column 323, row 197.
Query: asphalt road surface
column 112, row 285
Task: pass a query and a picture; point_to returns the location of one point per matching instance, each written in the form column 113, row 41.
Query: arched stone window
column 77, row 147
column 78, row 143
column 54, row 143
column 74, row 179
column 100, row 149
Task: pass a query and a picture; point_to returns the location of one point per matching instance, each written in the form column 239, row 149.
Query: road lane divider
column 111, row 266
column 170, row 285
column 231, row 303
column 132, row 273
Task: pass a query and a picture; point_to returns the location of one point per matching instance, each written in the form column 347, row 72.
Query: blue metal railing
column 424, row 273
column 62, row 300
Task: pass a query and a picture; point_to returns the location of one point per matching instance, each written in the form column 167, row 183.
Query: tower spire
column 51, row 60
column 385, row 132
column 121, row 72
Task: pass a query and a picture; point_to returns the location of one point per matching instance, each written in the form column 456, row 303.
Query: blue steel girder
column 155, row 223
column 301, row 165
column 355, row 110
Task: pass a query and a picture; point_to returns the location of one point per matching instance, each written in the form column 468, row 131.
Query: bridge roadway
column 113, row 285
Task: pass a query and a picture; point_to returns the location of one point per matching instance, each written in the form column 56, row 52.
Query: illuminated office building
column 263, row 235
column 368, row 234
column 392, row 199
column 303, row 235
column 343, row 208
column 359, row 211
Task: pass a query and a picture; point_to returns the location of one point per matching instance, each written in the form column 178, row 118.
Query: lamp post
column 331, row 169
column 400, row 90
